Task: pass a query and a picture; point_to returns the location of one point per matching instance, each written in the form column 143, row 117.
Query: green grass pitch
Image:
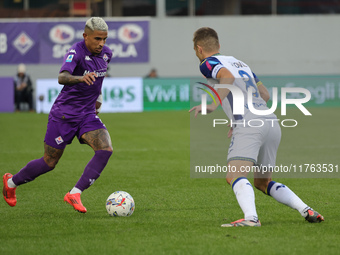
column 174, row 214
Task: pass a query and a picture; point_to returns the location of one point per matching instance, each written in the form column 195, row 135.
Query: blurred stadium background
column 292, row 43
column 275, row 37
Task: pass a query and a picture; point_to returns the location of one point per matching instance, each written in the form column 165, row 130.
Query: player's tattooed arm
column 65, row 78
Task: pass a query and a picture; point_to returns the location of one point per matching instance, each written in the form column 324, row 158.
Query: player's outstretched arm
column 198, row 109
column 225, row 77
column 65, row 78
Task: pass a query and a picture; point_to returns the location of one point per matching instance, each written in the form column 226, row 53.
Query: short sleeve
column 209, row 67
column 70, row 62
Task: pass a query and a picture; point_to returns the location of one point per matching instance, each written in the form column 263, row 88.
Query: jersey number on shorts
column 249, row 82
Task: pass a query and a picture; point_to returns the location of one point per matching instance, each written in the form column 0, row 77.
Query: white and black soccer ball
column 120, row 203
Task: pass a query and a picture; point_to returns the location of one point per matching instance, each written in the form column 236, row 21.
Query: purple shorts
column 61, row 133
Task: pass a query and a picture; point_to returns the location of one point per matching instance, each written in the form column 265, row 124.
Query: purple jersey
column 78, row 100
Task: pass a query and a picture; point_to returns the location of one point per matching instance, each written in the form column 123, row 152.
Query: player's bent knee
column 51, row 162
column 52, row 155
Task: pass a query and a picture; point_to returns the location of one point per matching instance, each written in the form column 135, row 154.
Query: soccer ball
column 120, row 203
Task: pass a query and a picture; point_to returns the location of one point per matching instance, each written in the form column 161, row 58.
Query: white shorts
column 256, row 144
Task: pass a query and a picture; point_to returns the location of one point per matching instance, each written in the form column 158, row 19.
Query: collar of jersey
column 216, row 54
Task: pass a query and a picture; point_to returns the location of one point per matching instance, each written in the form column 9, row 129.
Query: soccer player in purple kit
column 74, row 114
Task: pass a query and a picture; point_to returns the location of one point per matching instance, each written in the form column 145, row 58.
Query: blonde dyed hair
column 96, row 23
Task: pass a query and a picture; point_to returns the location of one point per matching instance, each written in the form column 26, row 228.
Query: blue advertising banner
column 48, row 42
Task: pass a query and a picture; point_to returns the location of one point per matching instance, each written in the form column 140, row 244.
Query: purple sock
column 31, row 171
column 93, row 169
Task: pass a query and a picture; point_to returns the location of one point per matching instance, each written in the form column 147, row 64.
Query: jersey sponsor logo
column 88, row 58
column 105, row 57
column 99, row 74
column 69, row 58
column 59, row 140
